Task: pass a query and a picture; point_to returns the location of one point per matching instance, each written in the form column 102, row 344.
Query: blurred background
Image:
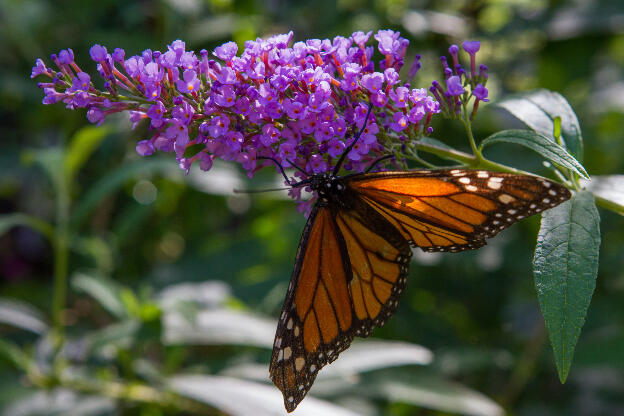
column 174, row 282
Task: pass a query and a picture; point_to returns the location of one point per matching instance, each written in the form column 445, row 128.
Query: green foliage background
column 145, row 226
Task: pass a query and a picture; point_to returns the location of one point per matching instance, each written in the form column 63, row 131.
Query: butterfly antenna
column 258, row 191
column 376, row 162
column 278, row 165
column 348, row 149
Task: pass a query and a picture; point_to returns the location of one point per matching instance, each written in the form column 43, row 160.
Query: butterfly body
column 352, row 262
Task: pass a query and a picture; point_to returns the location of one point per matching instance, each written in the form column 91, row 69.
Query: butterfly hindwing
column 350, row 270
column 379, row 257
column 456, row 209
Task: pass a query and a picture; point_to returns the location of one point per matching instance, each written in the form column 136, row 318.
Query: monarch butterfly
column 352, row 261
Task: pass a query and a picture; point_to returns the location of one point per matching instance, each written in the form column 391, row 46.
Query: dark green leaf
column 102, row 289
column 565, row 267
column 539, row 143
column 537, row 109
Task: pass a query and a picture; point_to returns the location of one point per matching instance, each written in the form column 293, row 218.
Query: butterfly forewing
column 455, row 210
column 316, row 320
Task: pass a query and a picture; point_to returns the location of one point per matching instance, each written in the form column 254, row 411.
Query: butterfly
column 352, row 262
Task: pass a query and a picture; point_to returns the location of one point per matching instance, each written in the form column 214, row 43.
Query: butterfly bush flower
column 298, row 103
column 459, row 86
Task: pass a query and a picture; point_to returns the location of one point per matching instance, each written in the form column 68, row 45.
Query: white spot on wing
column 505, row 198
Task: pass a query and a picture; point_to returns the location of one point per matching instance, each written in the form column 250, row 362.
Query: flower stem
column 468, row 126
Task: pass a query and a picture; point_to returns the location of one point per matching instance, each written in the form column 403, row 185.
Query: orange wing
column 347, row 279
column 455, row 210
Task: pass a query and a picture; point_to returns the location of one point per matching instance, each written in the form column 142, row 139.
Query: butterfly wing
column 379, row 257
column 349, row 272
column 456, row 209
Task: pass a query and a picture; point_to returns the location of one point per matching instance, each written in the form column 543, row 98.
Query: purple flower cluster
column 454, row 91
column 298, row 104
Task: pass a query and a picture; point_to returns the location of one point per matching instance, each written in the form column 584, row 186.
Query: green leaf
column 22, row 315
column 609, row 190
column 9, row 221
column 539, row 143
column 83, row 144
column 102, row 289
column 565, row 268
column 557, row 128
column 375, row 354
column 60, row 401
column 122, row 334
column 218, row 327
column 538, row 109
column 115, row 180
column 362, row 357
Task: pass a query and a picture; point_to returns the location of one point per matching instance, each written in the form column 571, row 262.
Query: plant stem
column 467, row 159
column 610, row 205
column 131, row 392
column 61, row 257
column 468, row 126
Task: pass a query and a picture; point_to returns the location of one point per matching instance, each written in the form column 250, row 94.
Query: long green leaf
column 14, row 354
column 538, row 109
column 218, row 327
column 83, row 144
column 102, row 289
column 565, row 267
column 241, row 398
column 540, row 144
column 115, row 180
column 22, row 315
column 418, row 387
column 9, row 221
column 608, row 190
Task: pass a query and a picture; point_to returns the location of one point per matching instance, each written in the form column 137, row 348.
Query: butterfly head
column 329, row 188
